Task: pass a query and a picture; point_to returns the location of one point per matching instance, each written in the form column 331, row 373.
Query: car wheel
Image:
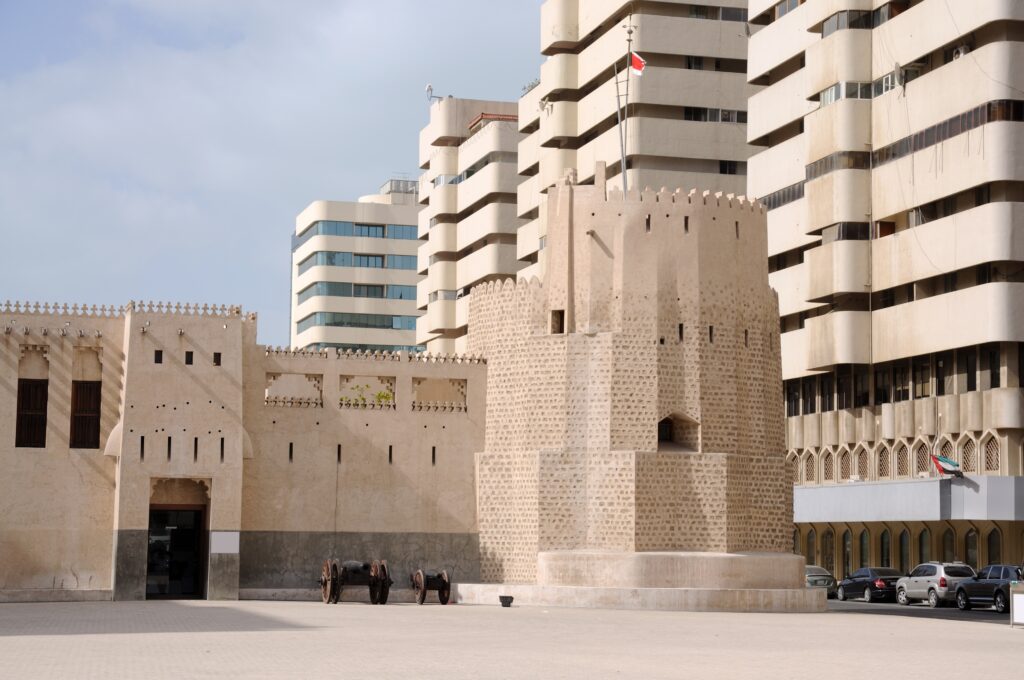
column 1000, row 603
column 933, row 599
column 867, row 594
column 840, row 594
column 962, row 603
column 901, row 597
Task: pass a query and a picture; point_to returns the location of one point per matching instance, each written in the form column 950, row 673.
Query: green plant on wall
column 361, row 397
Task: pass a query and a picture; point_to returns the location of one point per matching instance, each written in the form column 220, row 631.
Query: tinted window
column 984, row 572
column 928, row 571
column 887, row 572
column 958, row 571
column 816, row 571
column 860, row 573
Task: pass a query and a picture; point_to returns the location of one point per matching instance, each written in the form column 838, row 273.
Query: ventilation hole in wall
column 557, row 321
column 168, row 447
column 339, row 454
column 291, row 451
column 680, row 332
column 647, row 223
column 390, row 451
column 746, row 338
column 158, row 356
column 686, row 224
column 142, row 447
column 216, row 358
column 188, row 358
column 433, row 455
column 737, row 229
column 195, row 449
column 222, row 449
column 661, row 341
column 711, row 333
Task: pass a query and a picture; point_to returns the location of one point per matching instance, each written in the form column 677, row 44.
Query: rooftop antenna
column 430, row 93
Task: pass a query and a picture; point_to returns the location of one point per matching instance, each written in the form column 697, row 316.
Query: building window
column 901, row 386
column 30, row 427
column 828, row 551
column 865, row 548
column 85, row 414
column 728, row 167
column 158, row 356
column 810, row 389
column 995, row 547
column 967, row 368
column 948, row 552
column 812, row 544
column 188, row 358
column 922, row 377
column 971, row 548
column 990, row 355
column 883, row 392
column 924, row 546
column 861, row 390
column 943, row 374
column 905, row 551
column 886, row 548
column 792, row 398
column 847, row 553
column 557, row 321
column 216, row 358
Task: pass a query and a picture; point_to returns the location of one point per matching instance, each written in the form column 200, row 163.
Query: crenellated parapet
column 61, row 309
column 409, row 357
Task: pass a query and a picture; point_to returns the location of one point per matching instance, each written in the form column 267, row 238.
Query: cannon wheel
column 419, row 585
column 385, row 582
column 445, row 591
column 375, row 582
column 326, row 585
column 336, row 583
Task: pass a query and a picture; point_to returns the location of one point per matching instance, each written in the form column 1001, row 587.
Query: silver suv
column 935, row 582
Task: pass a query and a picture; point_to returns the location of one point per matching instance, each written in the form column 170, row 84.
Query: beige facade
column 890, row 138
column 288, row 456
column 686, row 121
column 354, row 272
column 634, row 435
column 468, row 223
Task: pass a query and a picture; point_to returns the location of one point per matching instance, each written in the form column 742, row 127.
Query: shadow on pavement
column 918, row 611
column 118, row 618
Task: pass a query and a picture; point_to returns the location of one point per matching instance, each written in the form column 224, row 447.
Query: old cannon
column 335, row 577
column 422, row 581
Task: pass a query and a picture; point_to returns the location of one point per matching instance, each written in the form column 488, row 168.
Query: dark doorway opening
column 176, row 561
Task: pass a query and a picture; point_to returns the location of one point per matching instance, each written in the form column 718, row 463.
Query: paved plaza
column 311, row 640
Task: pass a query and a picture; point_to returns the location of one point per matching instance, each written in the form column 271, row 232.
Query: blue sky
column 160, row 149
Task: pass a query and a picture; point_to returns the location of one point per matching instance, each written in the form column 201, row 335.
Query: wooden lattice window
column 794, row 465
column 902, row 461
column 970, row 457
column 884, row 466
column 862, row 465
column 921, row 459
column 809, row 468
column 992, row 455
column 30, row 426
column 947, row 450
column 828, row 472
column 844, row 465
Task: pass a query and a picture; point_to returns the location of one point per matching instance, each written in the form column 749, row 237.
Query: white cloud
column 168, row 158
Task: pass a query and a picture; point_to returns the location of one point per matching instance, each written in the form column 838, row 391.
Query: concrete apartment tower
column 354, row 272
column 890, row 166
column 634, row 441
column 686, row 116
column 468, row 223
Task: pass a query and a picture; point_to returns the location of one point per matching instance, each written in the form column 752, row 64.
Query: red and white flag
column 637, row 64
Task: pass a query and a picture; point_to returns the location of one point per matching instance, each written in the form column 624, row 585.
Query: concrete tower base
column 680, row 581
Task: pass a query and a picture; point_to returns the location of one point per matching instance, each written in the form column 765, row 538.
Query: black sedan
column 990, row 588
column 871, row 583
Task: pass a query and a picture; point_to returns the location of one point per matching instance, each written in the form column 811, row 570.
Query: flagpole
column 625, row 115
column 618, row 116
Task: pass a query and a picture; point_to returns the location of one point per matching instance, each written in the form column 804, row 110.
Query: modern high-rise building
column 354, row 272
column 468, row 223
column 890, row 164
column 686, row 119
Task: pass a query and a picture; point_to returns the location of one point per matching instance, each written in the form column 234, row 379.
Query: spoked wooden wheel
column 445, row 591
column 385, row 583
column 336, row 583
column 375, row 582
column 420, row 586
column 326, row 585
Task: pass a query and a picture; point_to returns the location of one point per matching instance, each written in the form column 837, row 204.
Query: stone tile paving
column 309, row 640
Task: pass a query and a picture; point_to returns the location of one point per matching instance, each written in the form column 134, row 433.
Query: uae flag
column 946, row 467
column 636, row 64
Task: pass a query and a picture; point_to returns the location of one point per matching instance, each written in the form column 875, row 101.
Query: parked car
column 935, row 582
column 991, row 587
column 819, row 577
column 871, row 583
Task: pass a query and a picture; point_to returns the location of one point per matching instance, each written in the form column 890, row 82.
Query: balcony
column 778, row 105
column 836, row 268
column 840, row 196
column 497, row 258
column 841, row 57
column 838, row 338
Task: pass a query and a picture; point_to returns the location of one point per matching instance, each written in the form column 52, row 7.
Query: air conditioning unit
column 960, row 51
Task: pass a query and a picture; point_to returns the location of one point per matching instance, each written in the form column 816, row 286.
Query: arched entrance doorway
column 178, row 530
